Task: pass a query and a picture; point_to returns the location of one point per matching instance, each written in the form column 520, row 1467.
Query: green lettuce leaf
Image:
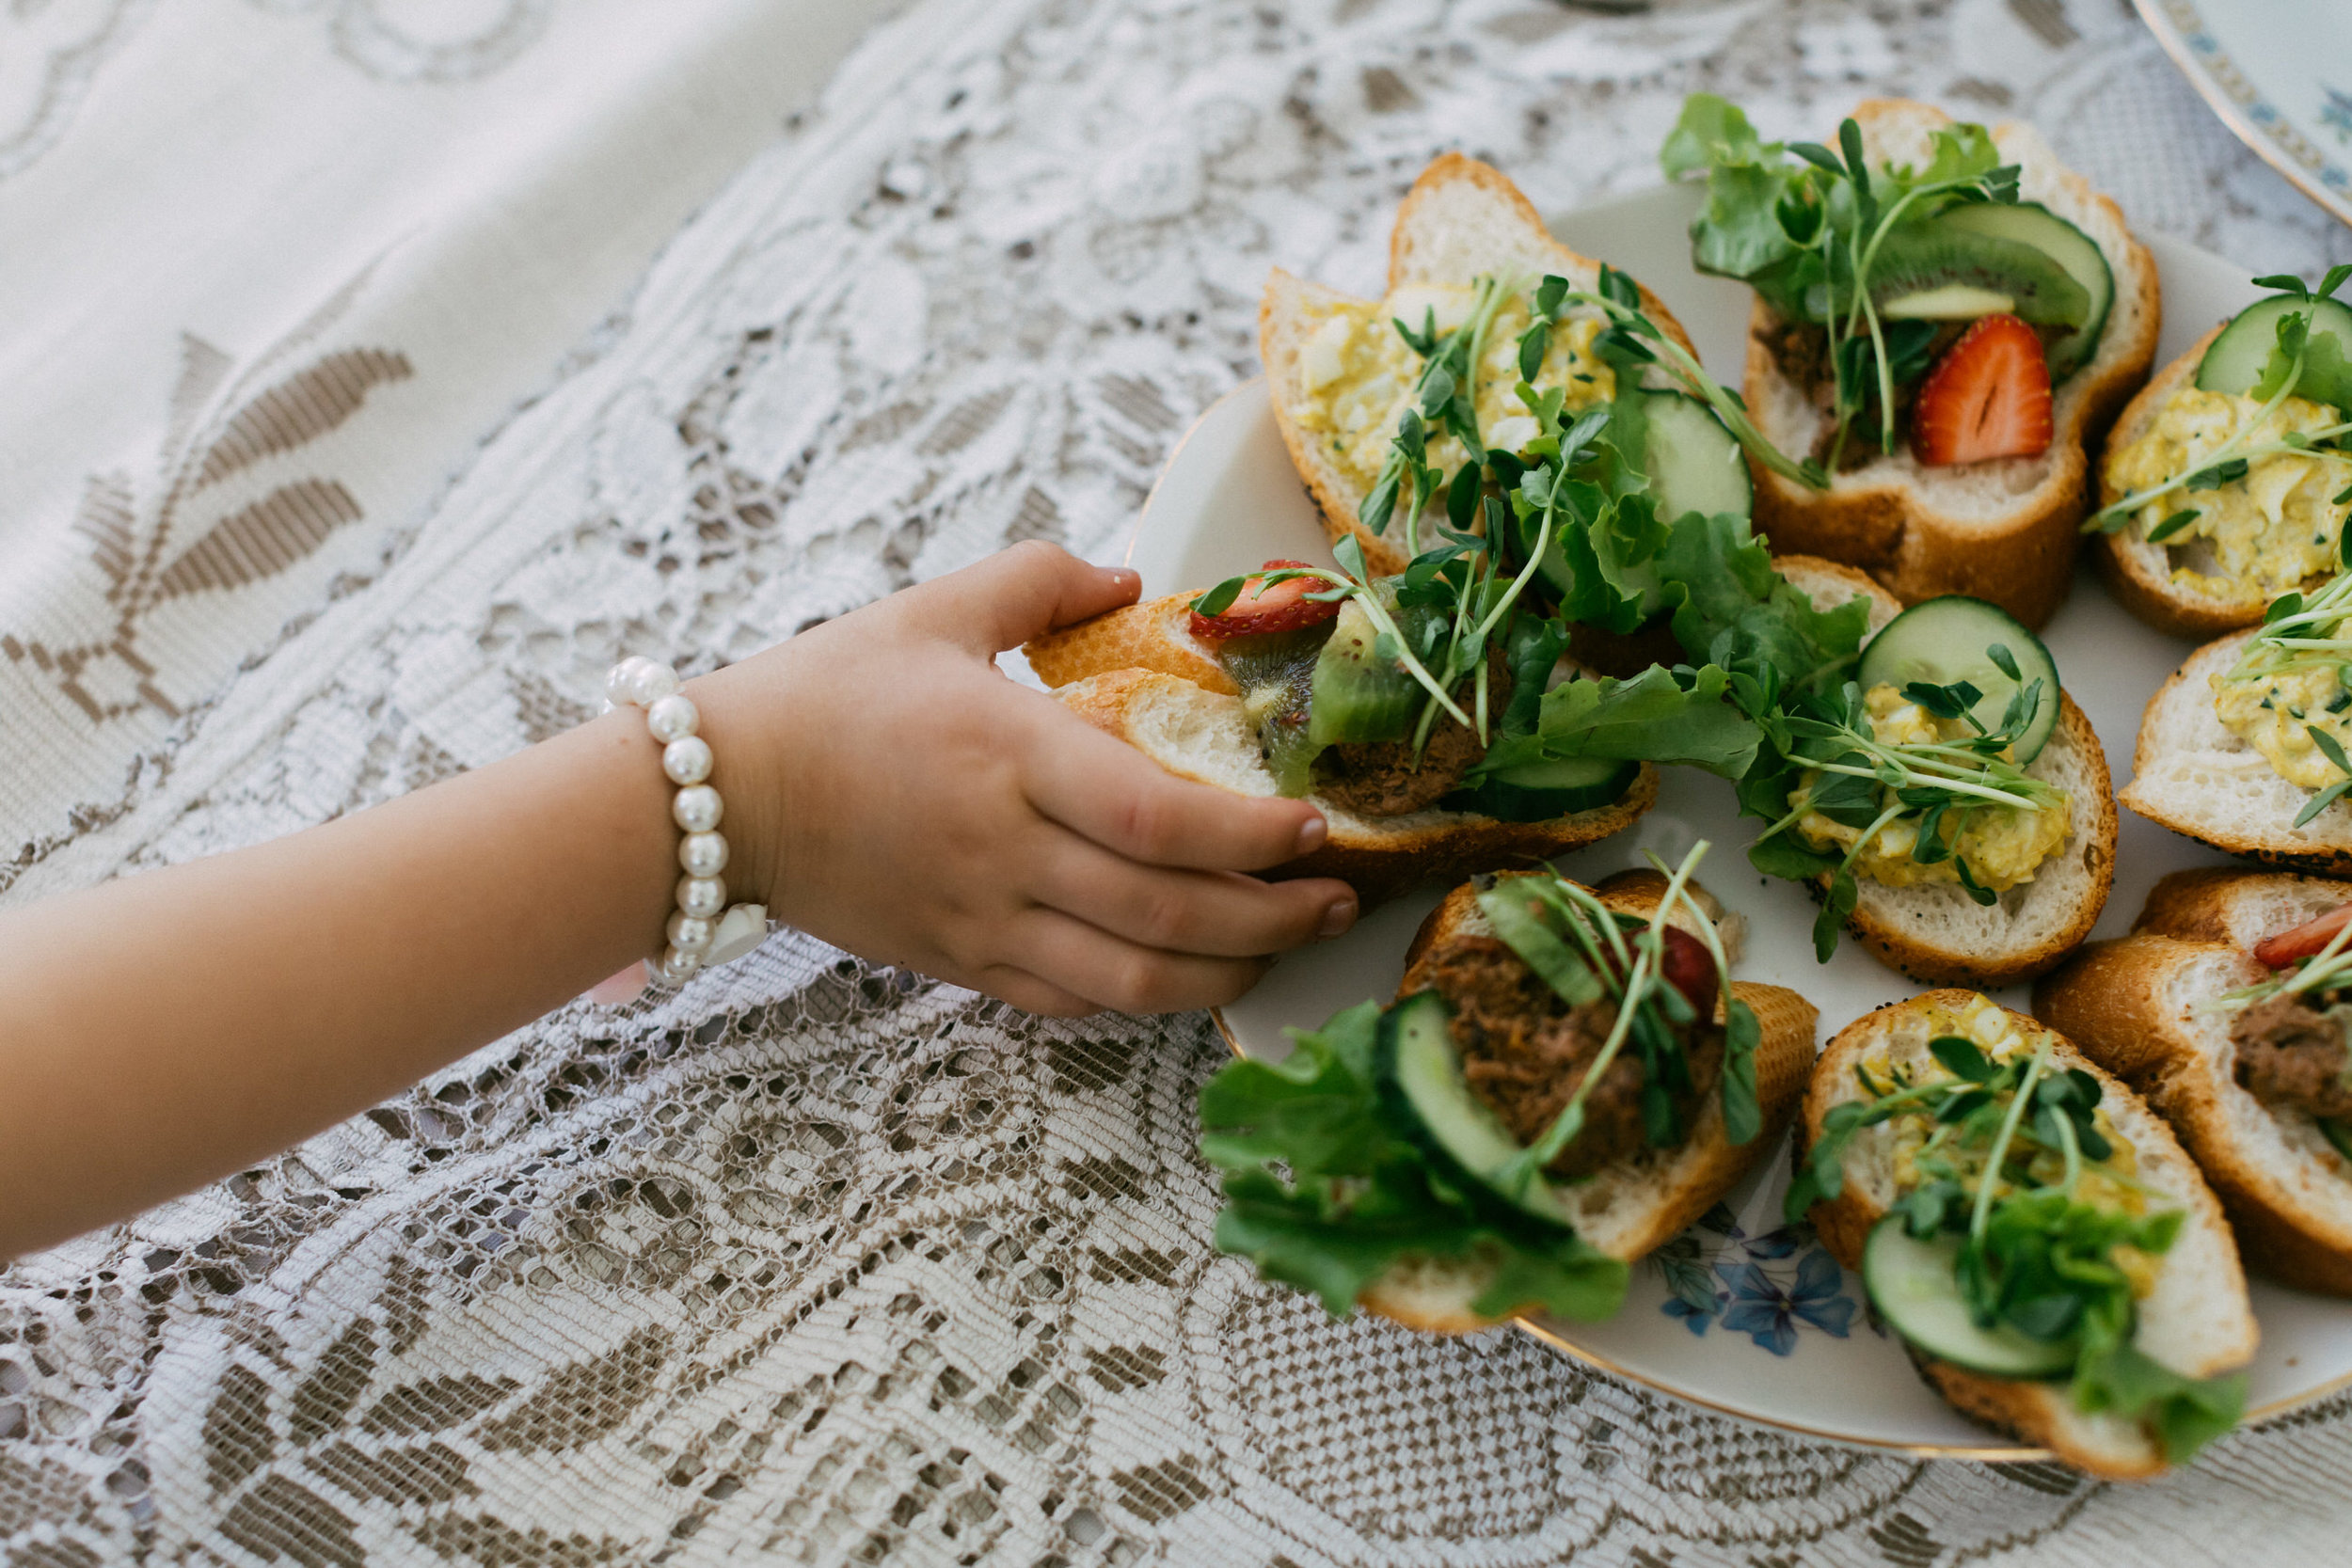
column 1355, row 1192
column 1652, row 717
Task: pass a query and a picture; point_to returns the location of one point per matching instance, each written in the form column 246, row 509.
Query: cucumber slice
column 1943, row 641
column 1911, row 1283
column 1539, row 791
column 1694, row 465
column 2029, row 223
column 2235, row 360
column 1419, row 1069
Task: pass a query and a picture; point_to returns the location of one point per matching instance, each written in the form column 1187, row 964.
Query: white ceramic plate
column 2278, row 73
column 1738, row 1315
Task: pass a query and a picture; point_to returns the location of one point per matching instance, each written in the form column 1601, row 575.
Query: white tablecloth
column 349, row 433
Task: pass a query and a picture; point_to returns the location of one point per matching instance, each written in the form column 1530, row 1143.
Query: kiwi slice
column 1939, row 271
column 1358, row 694
column 1275, row 673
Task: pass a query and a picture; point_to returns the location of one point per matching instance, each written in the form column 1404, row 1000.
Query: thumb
column 1026, row 591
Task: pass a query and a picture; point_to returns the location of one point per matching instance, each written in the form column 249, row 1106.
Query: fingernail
column 1311, row 833
column 1338, row 917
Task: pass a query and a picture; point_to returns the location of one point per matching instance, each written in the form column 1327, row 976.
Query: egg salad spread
column 1921, row 1147
column 2003, row 844
column 1356, row 374
column 2274, row 528
column 2275, row 709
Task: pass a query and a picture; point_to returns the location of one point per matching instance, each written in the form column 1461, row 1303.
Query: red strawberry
column 1988, row 397
column 2304, row 941
column 1258, row 610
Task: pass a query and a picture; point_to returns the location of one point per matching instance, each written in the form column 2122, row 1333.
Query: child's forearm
column 175, row 1026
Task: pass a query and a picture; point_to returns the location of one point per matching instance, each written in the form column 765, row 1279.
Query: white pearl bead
column 688, row 761
column 744, row 928
column 702, row 854
column 689, row 934
column 700, row 897
column 672, row 718
column 676, row 966
column 696, row 809
column 620, row 682
column 650, row 683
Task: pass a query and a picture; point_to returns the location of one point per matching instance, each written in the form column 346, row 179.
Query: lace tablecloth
column 815, row 1261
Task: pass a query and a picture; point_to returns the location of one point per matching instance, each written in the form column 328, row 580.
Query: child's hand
column 890, row 790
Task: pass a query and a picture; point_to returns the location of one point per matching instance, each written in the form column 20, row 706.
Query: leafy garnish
column 2034, row 1255
column 1806, row 227
column 1356, row 1193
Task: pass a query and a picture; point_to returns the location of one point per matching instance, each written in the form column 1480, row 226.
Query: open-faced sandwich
column 2228, row 1007
column 1945, row 316
column 1566, row 1079
column 2245, row 748
column 1944, row 800
column 1444, row 354
column 1364, row 696
column 2052, row 1260
column 2227, row 480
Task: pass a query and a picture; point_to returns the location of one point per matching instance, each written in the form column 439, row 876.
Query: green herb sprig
column 1807, row 225
column 2298, row 633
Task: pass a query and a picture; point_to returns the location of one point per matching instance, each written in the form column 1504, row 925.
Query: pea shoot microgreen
column 1827, row 759
column 2300, row 633
column 1585, row 952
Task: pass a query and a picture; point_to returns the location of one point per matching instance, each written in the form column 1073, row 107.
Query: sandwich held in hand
column 2228, row 1007
column 1567, row 1078
column 2053, row 1261
column 2227, row 480
column 1944, row 316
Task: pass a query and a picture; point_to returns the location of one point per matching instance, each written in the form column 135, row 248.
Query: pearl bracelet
column 699, row 936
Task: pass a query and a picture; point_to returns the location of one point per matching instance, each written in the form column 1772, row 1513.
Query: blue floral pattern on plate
column 1762, row 1286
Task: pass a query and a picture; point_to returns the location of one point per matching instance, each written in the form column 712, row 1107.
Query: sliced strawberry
column 2304, row 941
column 1690, row 968
column 1258, row 610
column 1988, row 397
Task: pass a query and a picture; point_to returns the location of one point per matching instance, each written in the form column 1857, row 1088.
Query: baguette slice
column 2138, row 573
column 1155, row 634
column 2002, row 530
column 1461, row 220
column 1936, row 933
column 2193, row 776
column 1631, row 1208
column 2197, row 1321
column 1204, row 736
column 2134, row 1008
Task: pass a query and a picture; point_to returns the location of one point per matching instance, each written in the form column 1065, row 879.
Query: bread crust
column 2036, row 1412
column 2121, row 1001
column 1378, row 865
column 2273, row 848
column 2138, row 573
column 1784, row 1057
column 1286, row 295
column 1154, row 635
column 1879, row 521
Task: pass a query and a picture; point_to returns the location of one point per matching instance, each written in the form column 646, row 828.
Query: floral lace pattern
column 832, row 1264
